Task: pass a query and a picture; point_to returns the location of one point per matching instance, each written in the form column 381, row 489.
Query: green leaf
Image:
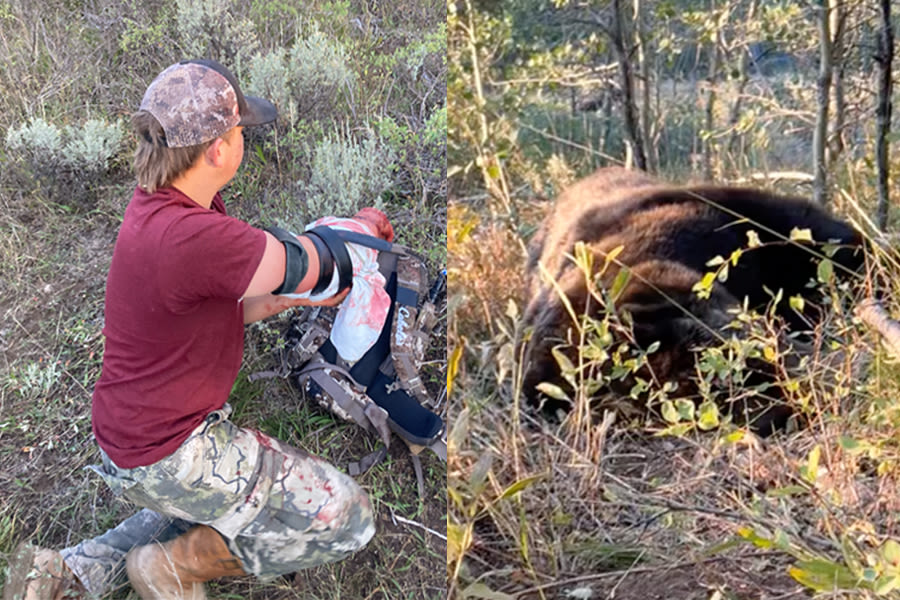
column 787, row 491
column 890, row 551
column 703, row 288
column 848, row 443
column 612, row 255
column 735, row 436
column 685, row 409
column 584, row 258
column 781, row 540
column 459, row 539
column 520, row 485
column 886, row 584
column 676, row 430
column 565, row 365
column 723, row 274
column 811, row 470
column 619, row 283
column 480, row 472
column 757, row 540
column 797, row 303
column 825, row 270
column 669, row 412
column 709, row 416
column 483, row 592
column 453, row 367
column 823, row 575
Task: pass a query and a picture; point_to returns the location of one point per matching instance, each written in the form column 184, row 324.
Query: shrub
column 270, row 78
column 91, row 146
column 38, row 142
column 211, row 29
column 304, row 80
column 85, row 148
column 422, row 152
column 65, row 162
column 347, row 175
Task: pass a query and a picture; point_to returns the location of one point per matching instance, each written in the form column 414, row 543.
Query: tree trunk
column 709, row 124
column 644, row 68
column 488, row 162
column 744, row 74
column 883, row 114
column 820, row 134
column 632, row 127
column 838, row 22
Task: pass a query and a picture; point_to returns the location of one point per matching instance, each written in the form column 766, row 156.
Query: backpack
column 381, row 392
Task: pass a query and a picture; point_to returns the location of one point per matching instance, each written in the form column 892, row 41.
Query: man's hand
column 333, row 301
column 261, row 307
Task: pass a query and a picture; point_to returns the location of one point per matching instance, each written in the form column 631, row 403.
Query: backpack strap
column 407, row 341
column 345, row 397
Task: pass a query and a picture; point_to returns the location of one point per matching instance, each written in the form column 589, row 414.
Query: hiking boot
column 40, row 574
column 177, row 569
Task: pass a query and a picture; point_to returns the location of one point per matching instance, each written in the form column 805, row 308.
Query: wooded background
column 712, row 89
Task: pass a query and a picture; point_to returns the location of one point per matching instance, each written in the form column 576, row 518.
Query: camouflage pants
column 280, row 509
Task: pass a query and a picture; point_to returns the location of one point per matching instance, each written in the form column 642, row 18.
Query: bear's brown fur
column 668, row 234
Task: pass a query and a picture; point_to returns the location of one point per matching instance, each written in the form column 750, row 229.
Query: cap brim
column 259, row 112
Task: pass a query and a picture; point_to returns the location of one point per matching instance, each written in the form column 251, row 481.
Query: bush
column 91, row 146
column 347, row 175
column 66, row 161
column 211, row 29
column 302, row 81
column 421, row 152
column 38, row 142
column 86, row 148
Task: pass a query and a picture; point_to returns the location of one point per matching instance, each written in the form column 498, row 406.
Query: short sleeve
column 206, row 254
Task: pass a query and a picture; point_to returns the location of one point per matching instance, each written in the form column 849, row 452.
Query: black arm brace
column 331, row 250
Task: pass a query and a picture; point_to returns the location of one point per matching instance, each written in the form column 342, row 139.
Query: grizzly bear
column 665, row 236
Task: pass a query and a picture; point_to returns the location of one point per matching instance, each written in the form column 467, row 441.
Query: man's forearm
column 261, row 307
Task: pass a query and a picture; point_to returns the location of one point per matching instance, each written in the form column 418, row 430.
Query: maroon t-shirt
column 174, row 323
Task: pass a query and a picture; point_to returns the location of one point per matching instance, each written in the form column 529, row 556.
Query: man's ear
column 213, row 154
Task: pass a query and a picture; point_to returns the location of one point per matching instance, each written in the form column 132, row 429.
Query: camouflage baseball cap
column 196, row 101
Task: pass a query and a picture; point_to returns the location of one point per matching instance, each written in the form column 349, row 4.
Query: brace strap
column 296, row 261
column 338, row 253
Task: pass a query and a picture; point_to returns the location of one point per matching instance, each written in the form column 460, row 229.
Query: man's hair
column 155, row 164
